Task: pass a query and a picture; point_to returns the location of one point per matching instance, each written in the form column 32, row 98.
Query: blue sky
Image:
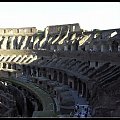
column 90, row 15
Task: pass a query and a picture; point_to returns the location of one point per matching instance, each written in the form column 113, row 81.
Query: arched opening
column 9, row 74
column 9, row 66
column 29, row 106
column 80, row 87
column 55, row 75
column 75, row 83
column 24, row 70
column 76, row 45
column 15, row 43
column 70, row 84
column 29, row 70
column 34, row 72
column 39, row 72
column 114, row 46
column 49, row 76
column 65, row 79
column 69, row 47
column 8, row 44
column 83, row 48
column 96, row 64
column 4, row 65
column 88, row 95
column 14, row 66
column 44, row 72
column 84, row 90
column 60, row 77
column 89, row 63
column 48, row 88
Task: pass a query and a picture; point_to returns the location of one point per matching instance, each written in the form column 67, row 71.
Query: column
column 66, row 48
column 94, row 48
column 36, row 71
column 51, row 47
column 110, row 48
column 1, row 65
column 86, row 47
column 72, row 47
column 104, row 48
column 118, row 48
column 59, row 47
column 79, row 48
column 82, row 89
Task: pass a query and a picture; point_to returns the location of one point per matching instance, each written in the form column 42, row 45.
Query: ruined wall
column 17, row 31
column 57, row 28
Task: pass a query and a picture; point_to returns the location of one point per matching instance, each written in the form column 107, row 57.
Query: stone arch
column 83, row 48
column 24, row 69
column 14, row 66
column 39, row 72
column 8, row 44
column 9, row 66
column 65, row 79
column 88, row 94
column 75, row 83
column 84, row 90
column 79, row 86
column 4, row 65
column 34, row 71
column 55, row 75
column 29, row 70
column 15, row 43
column 60, row 77
column 49, row 76
column 76, row 45
column 69, row 47
column 44, row 72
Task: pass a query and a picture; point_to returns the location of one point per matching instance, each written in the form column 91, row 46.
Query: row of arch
column 22, row 96
column 59, row 76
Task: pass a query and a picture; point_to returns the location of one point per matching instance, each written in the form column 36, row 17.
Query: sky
column 89, row 15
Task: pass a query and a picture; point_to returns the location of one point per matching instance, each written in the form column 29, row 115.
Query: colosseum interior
column 46, row 73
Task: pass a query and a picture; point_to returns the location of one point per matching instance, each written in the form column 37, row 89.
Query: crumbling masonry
column 60, row 58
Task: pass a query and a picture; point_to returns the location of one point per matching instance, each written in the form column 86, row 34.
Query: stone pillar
column 78, row 86
column 57, row 76
column 6, row 65
column 39, row 72
column 51, row 47
column 92, row 64
column 110, row 48
column 118, row 48
column 52, row 74
column 31, row 71
column 104, row 48
column 1, row 65
column 36, row 71
column 86, row 47
column 59, row 47
column 86, row 94
column 94, row 48
column 100, row 64
column 72, row 47
column 79, row 48
column 82, row 89
column 66, row 48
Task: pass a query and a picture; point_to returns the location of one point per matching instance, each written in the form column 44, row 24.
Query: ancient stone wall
column 17, row 31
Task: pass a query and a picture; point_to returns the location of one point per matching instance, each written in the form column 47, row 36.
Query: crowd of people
column 82, row 111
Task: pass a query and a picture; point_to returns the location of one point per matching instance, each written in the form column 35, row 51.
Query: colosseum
column 48, row 73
